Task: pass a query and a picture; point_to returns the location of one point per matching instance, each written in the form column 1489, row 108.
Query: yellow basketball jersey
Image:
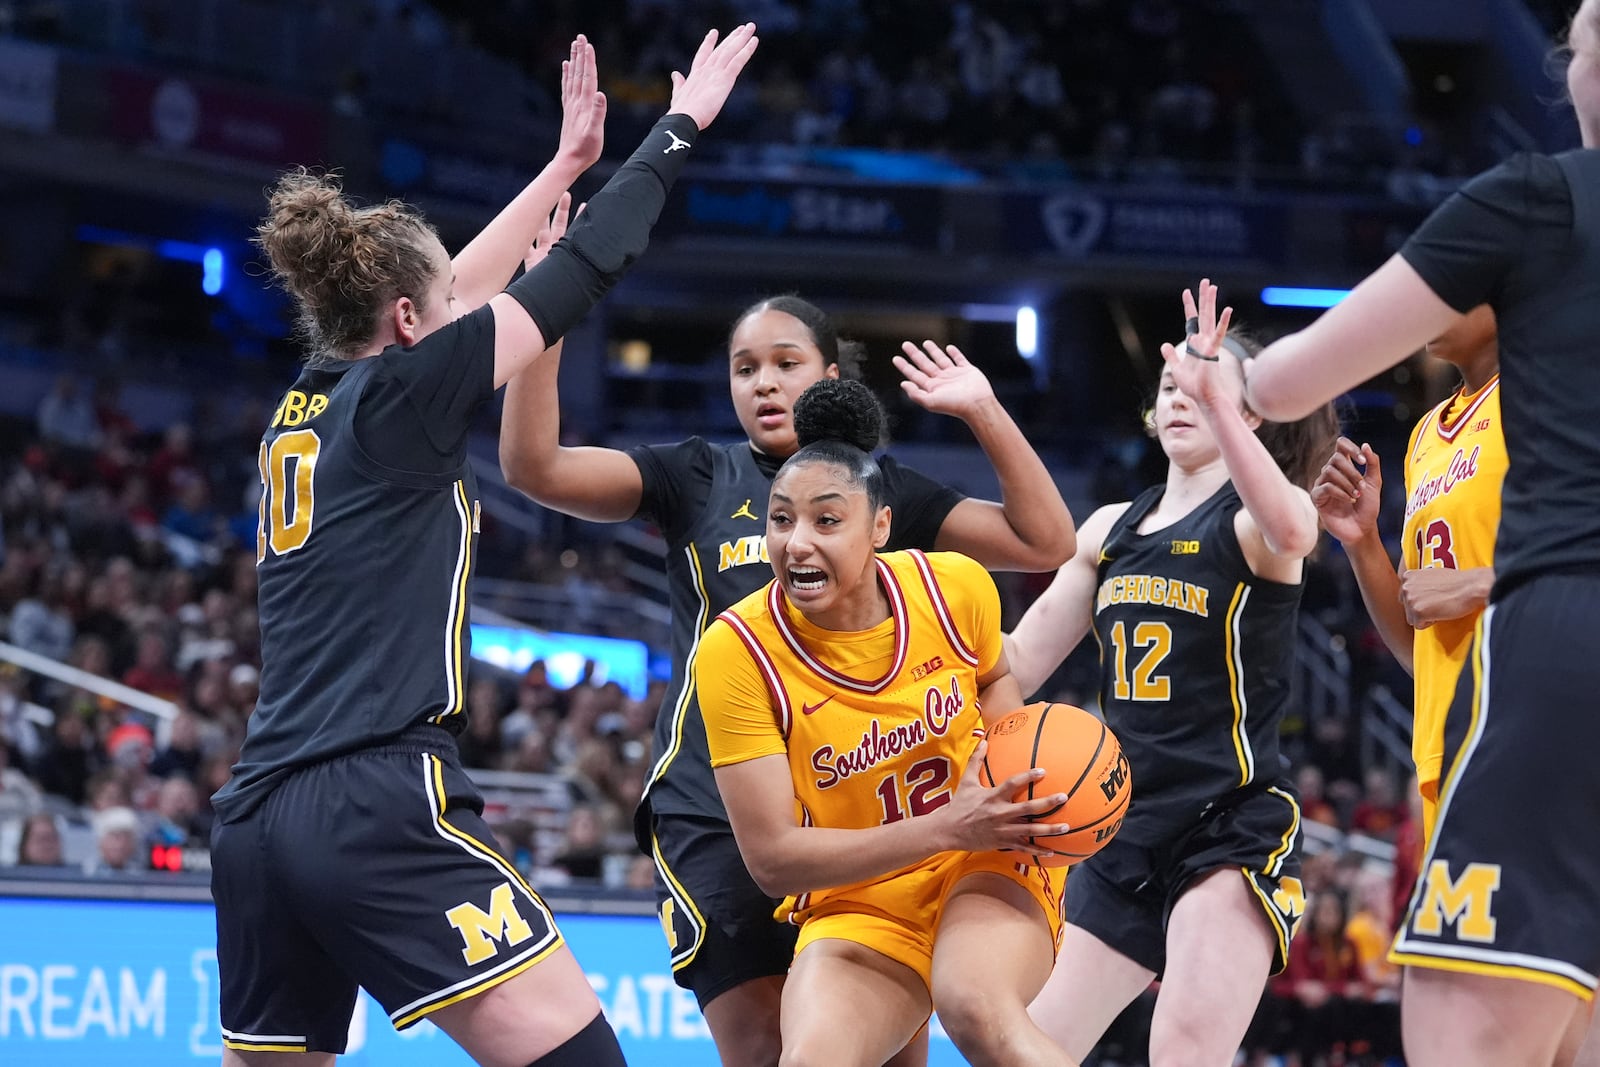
column 1454, row 467
column 878, row 725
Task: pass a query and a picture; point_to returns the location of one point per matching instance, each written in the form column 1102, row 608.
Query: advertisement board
column 135, row 983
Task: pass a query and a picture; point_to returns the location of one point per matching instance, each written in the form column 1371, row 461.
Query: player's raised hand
column 981, row 819
column 1348, row 491
column 712, row 74
column 583, row 106
column 941, row 380
column 551, row 232
column 1203, row 370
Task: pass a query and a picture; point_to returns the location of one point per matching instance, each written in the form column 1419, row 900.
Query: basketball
column 1081, row 758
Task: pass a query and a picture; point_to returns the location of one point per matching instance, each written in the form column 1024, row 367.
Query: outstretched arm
column 598, row 484
column 1030, row 529
column 1055, row 623
column 1347, row 501
column 1276, row 510
column 538, row 308
column 488, row 261
column 1384, row 319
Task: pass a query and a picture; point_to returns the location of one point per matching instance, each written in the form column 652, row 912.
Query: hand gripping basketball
column 983, row 819
column 1070, row 752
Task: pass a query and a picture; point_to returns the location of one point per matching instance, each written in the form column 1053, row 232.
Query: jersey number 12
column 287, row 501
column 1145, row 684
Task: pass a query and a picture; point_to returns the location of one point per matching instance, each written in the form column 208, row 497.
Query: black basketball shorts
column 1508, row 886
column 1125, row 893
column 717, row 921
column 374, row 869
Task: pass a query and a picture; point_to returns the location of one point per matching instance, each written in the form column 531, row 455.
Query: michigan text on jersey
column 1154, row 589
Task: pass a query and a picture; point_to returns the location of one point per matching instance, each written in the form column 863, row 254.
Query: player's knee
column 1185, row 1042
column 974, row 1021
column 750, row 1046
column 593, row 1046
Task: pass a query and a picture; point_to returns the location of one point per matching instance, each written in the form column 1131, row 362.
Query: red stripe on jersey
column 769, row 670
column 1449, row 433
column 776, row 605
column 941, row 607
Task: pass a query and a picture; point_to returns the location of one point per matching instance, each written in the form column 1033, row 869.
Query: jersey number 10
column 287, row 504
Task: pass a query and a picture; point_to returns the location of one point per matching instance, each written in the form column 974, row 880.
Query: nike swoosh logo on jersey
column 807, row 709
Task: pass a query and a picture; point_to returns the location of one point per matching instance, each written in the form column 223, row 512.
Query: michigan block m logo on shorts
column 482, row 931
column 1465, row 903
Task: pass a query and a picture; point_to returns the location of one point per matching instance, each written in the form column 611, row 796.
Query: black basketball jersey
column 368, row 522
column 1524, row 237
column 1195, row 658
column 710, row 502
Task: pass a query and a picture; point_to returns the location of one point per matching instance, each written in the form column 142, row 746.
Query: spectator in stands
column 480, row 743
column 117, row 835
column 40, row 842
column 70, row 758
column 1314, row 804
column 67, row 416
column 174, row 466
column 1324, row 976
column 18, row 794
column 16, row 728
column 1381, row 811
column 582, row 854
column 177, row 815
column 42, row 623
column 181, row 754
column 152, row 670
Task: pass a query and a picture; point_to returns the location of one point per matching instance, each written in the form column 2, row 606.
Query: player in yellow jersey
column 1455, row 463
column 843, row 705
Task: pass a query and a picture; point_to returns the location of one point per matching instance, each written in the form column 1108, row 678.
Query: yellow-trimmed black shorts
column 376, row 870
column 719, row 924
column 1508, row 886
column 1125, row 893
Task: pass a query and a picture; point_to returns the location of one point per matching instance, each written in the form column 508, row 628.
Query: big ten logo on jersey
column 1466, row 903
column 297, row 407
column 879, row 743
column 1186, row 548
column 742, row 551
column 922, row 670
column 483, row 931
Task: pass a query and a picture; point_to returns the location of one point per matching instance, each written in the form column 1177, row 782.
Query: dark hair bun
column 839, row 409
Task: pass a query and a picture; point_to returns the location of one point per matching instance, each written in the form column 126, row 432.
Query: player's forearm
column 1380, row 592
column 803, row 859
column 1284, row 515
column 491, row 258
column 1472, row 590
column 999, row 698
column 1033, row 506
column 530, row 423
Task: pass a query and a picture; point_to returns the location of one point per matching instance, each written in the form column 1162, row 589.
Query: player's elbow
column 770, row 874
column 1295, row 541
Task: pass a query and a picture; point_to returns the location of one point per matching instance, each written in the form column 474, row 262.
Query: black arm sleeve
column 918, row 505
column 610, row 234
column 1465, row 249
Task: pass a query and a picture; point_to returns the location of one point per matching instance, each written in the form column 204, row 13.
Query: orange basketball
column 1081, row 758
